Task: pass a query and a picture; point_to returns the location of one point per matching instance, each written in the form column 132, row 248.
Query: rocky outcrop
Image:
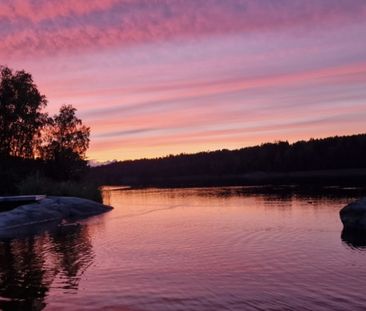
column 354, row 238
column 50, row 209
column 353, row 215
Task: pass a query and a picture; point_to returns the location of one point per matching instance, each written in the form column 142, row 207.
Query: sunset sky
column 158, row 77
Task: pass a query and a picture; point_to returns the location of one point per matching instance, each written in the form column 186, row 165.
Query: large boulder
column 50, row 209
column 354, row 238
column 353, row 215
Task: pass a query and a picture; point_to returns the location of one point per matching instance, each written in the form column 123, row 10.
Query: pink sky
column 161, row 77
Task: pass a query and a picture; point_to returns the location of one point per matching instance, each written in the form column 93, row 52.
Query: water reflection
column 23, row 280
column 73, row 248
column 228, row 248
column 286, row 192
column 192, row 249
column 30, row 266
column 354, row 238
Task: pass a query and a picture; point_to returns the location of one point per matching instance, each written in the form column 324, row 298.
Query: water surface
column 191, row 249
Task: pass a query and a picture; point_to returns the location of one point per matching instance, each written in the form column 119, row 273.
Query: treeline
column 280, row 161
column 35, row 148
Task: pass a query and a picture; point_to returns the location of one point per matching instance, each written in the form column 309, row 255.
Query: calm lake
column 192, row 249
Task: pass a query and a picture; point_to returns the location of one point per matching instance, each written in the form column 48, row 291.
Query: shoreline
column 343, row 177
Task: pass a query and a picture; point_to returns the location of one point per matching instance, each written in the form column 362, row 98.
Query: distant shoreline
column 338, row 160
column 341, row 177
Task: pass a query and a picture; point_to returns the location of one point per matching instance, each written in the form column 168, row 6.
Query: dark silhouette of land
column 46, row 155
column 334, row 160
column 39, row 153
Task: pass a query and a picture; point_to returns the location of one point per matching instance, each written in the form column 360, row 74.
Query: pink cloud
column 44, row 10
column 45, row 27
column 170, row 76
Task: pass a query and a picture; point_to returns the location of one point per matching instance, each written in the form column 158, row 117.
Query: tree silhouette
column 31, row 142
column 65, row 143
column 29, row 265
column 243, row 166
column 66, row 132
column 21, row 116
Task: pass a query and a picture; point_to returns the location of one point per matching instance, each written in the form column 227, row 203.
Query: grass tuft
column 36, row 184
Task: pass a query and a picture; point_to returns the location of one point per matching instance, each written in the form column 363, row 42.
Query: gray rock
column 50, row 209
column 353, row 215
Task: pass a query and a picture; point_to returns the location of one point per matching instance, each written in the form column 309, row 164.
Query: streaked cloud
column 48, row 27
column 169, row 76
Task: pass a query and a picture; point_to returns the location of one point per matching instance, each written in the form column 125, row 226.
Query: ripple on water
column 194, row 249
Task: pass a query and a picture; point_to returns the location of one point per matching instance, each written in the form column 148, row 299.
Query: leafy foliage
column 65, row 143
column 21, row 116
column 65, row 136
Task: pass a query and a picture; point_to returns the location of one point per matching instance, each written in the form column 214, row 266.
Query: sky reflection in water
column 191, row 249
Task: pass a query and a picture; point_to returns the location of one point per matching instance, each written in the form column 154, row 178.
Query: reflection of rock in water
column 29, row 266
column 354, row 238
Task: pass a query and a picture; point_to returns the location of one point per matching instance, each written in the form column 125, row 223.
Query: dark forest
column 335, row 159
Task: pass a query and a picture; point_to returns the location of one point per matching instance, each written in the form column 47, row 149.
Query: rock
column 354, row 238
column 353, row 215
column 50, row 209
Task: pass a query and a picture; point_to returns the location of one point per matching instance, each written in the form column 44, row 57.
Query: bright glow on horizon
column 188, row 76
